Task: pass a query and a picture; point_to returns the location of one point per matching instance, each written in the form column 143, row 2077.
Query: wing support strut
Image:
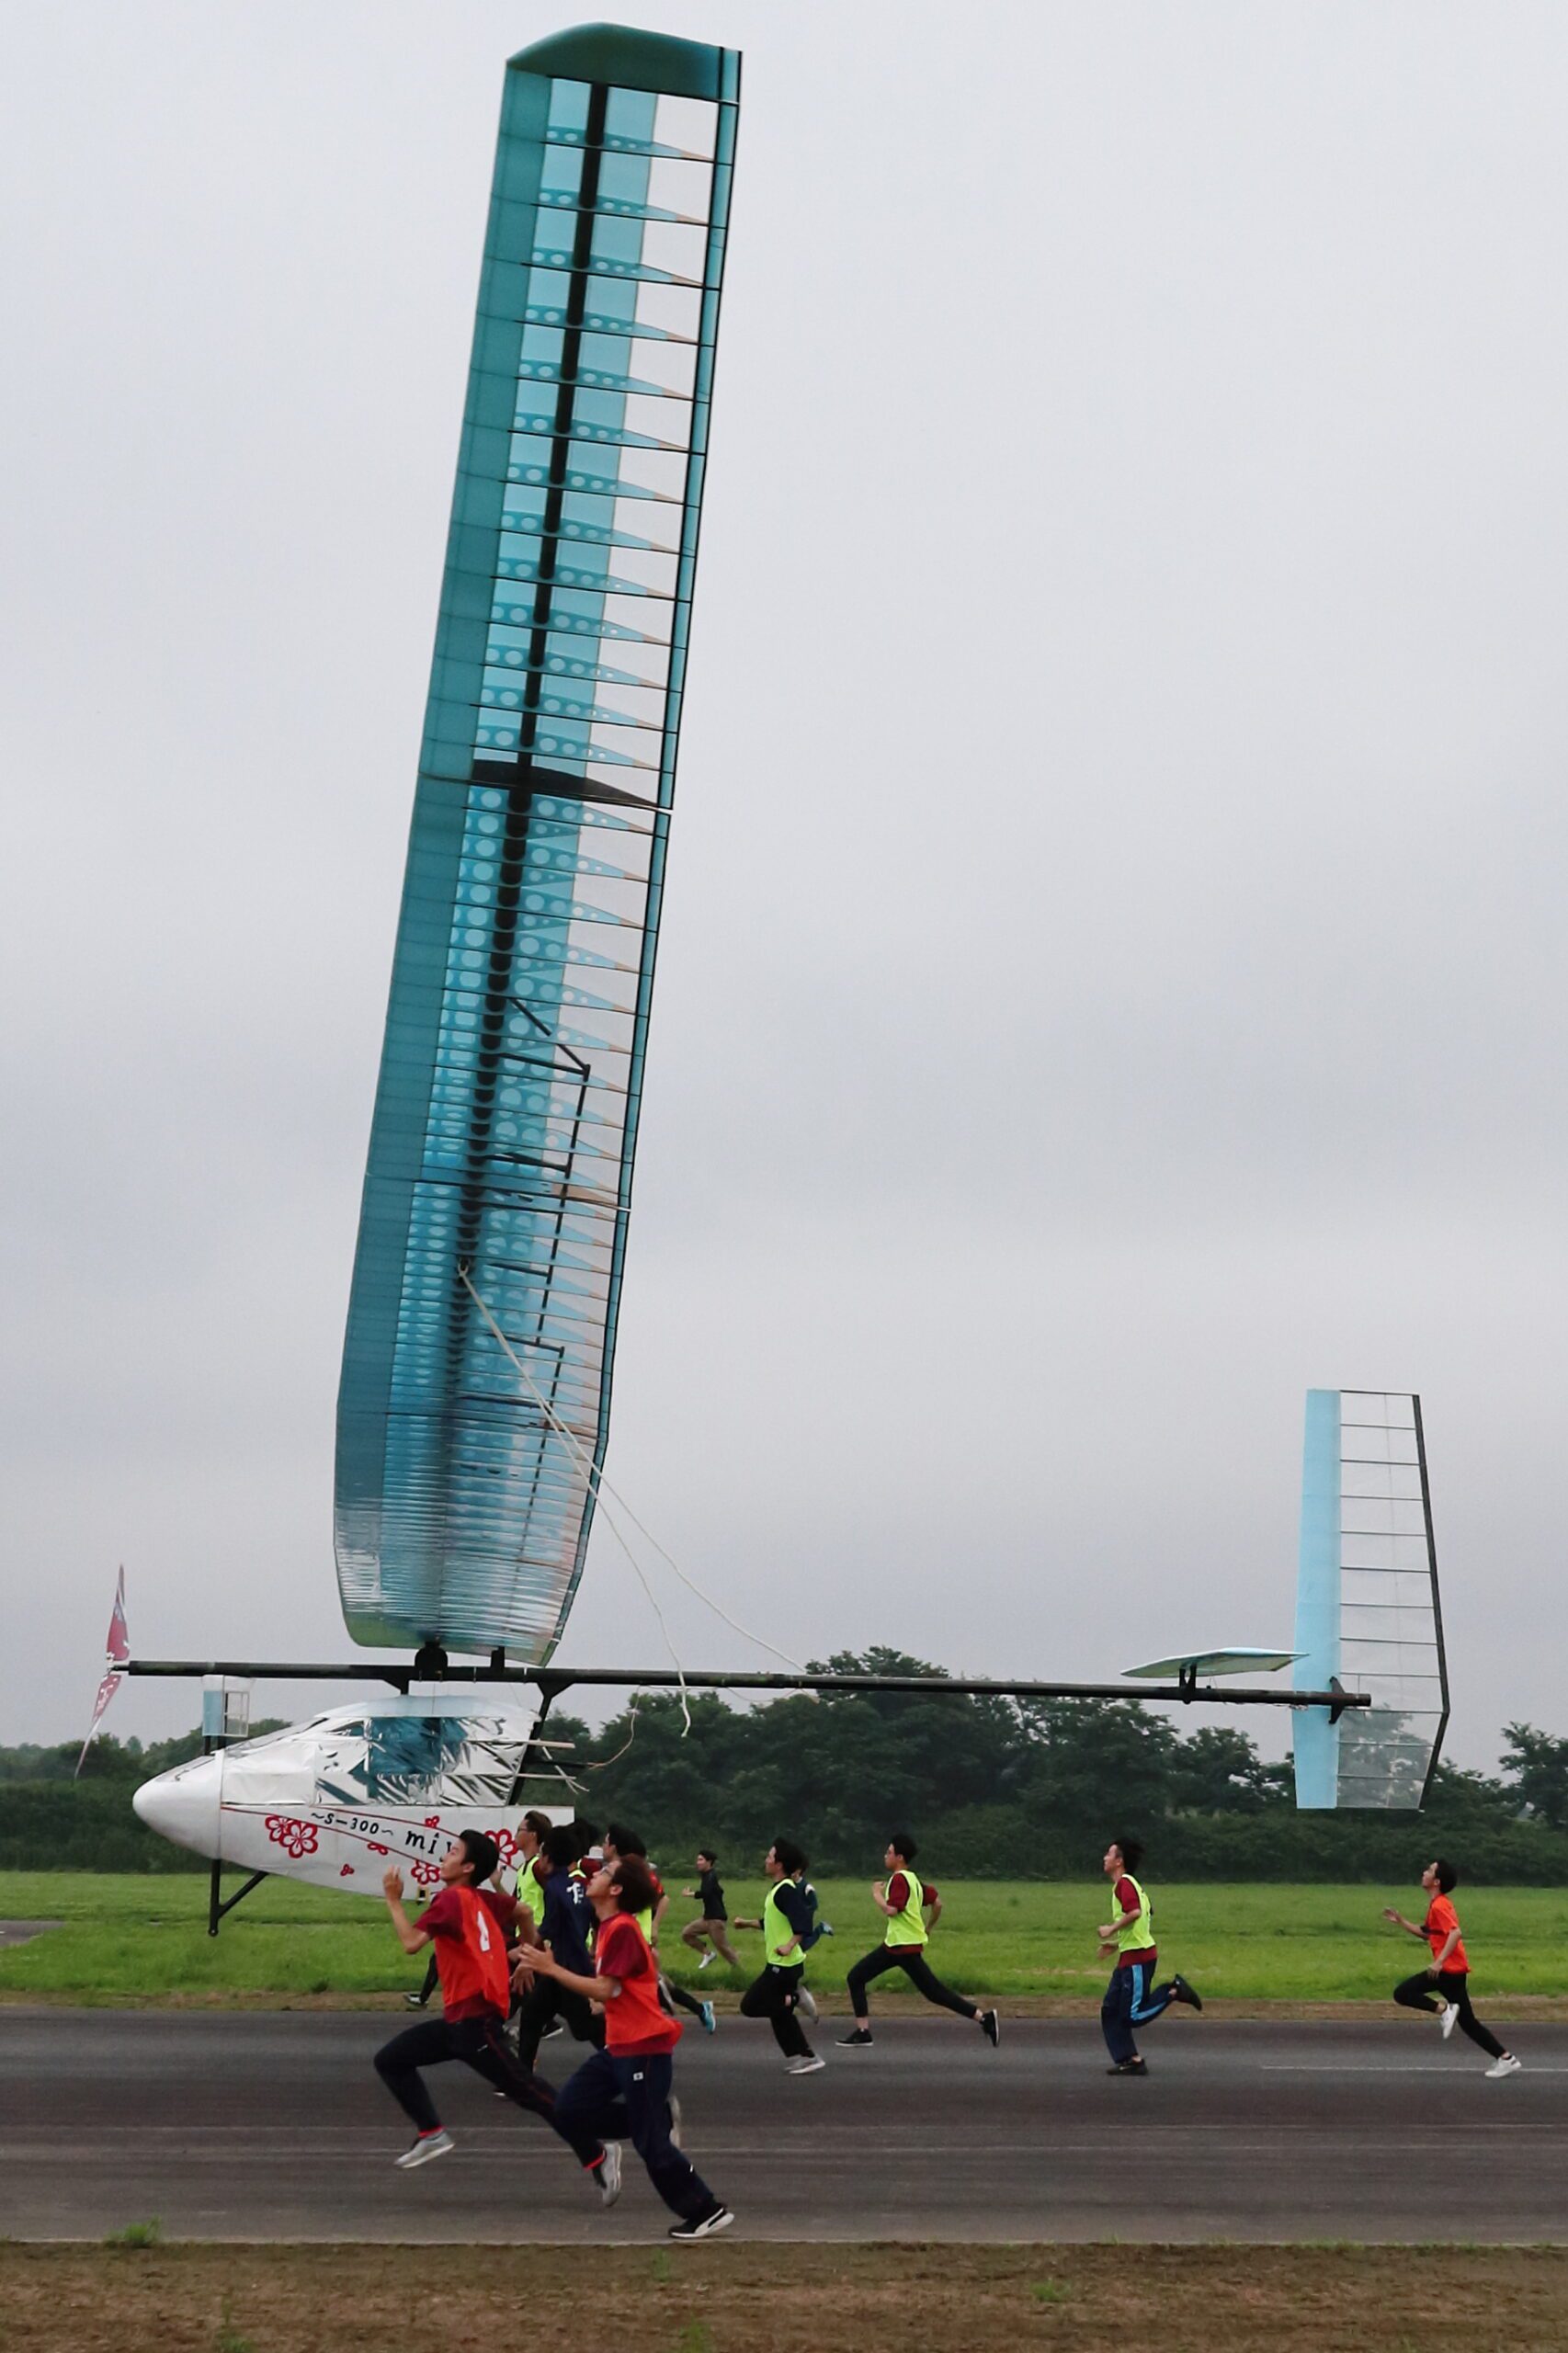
column 432, row 1665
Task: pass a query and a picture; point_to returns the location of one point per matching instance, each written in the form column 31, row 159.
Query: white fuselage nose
column 185, row 1804
column 351, row 1795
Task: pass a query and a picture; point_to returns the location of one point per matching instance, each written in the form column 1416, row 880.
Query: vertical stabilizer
column 1366, row 1606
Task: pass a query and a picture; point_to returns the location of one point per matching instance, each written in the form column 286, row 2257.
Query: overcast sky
column 1112, row 975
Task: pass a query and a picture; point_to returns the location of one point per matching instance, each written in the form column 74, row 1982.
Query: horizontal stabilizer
column 1366, row 1606
column 1206, row 1662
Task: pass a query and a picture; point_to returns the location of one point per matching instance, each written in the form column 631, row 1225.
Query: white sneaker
column 811, row 2062
column 1507, row 2065
column 609, row 2174
column 706, row 1959
column 805, row 2002
column 437, row 2143
column 1450, row 2019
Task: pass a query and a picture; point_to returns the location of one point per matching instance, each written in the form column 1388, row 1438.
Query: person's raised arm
column 411, row 1937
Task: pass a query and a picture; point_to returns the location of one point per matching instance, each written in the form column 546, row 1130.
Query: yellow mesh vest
column 1142, row 1932
column 777, row 1931
column 908, row 1927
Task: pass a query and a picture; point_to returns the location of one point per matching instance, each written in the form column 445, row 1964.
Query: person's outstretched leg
column 1455, row 1985
column 772, row 1997
column 924, row 1981
column 1416, row 1993
column 678, row 1994
column 645, row 2093
column 398, row 2063
column 1149, row 2002
column 875, row 1964
column 484, row 2048
column 718, row 1931
column 589, row 2105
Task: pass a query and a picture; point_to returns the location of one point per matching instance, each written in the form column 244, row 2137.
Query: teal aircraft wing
column 505, row 1117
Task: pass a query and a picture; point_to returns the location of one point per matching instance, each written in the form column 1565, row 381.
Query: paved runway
column 272, row 2126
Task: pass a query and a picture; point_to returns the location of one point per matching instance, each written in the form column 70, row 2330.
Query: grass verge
column 144, row 1939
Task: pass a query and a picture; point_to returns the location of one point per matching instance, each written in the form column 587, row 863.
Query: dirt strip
column 729, row 2297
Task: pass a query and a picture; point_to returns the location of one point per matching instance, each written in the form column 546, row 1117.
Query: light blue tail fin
column 1366, row 1606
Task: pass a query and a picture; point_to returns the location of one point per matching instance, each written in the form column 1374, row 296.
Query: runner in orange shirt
column 1449, row 1972
column 466, row 1927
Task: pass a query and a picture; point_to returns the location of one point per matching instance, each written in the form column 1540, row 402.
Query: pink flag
column 117, row 1654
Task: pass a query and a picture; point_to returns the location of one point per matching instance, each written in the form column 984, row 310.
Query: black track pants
column 1416, row 1994
column 911, row 1960
column 480, row 2044
column 772, row 1997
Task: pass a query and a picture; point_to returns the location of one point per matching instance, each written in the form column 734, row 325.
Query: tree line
column 993, row 1788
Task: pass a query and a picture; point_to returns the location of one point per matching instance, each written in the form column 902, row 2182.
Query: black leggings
column 479, row 2043
column 545, row 2000
column 672, row 1997
column 772, row 1997
column 1453, row 1985
column 911, row 1960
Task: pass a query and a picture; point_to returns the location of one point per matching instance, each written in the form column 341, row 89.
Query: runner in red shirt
column 1449, row 1972
column 625, row 2088
column 467, row 1925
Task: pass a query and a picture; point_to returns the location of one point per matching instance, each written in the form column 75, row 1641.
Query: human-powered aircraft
column 474, row 1402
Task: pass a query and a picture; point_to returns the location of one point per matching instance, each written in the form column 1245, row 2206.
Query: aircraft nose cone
column 182, row 1804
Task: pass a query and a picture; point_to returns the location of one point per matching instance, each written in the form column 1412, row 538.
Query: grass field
column 126, row 1938
column 730, row 2298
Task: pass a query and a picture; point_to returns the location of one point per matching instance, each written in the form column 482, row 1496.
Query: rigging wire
column 600, row 1487
column 585, row 1461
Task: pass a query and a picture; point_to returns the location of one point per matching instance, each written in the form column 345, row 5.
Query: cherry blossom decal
column 295, row 1837
column 425, row 1874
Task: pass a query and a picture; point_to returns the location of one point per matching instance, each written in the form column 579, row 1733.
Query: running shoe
column 1182, row 1992
column 414, row 2001
column 861, row 2040
column 991, row 2027
column 1129, row 2068
column 1507, row 2065
column 709, row 2023
column 426, row 2145
column 706, row 1959
column 809, row 2064
column 824, row 1929
column 806, row 2002
column 674, row 2121
column 556, row 2026
column 607, row 2174
column 1450, row 2019
column 704, row 2227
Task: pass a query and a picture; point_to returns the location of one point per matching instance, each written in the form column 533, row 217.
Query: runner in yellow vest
column 1133, row 1998
column 533, row 1832
column 906, row 1903
column 785, row 1918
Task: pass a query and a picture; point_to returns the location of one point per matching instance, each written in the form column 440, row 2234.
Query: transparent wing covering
column 1369, row 1607
column 506, row 1117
